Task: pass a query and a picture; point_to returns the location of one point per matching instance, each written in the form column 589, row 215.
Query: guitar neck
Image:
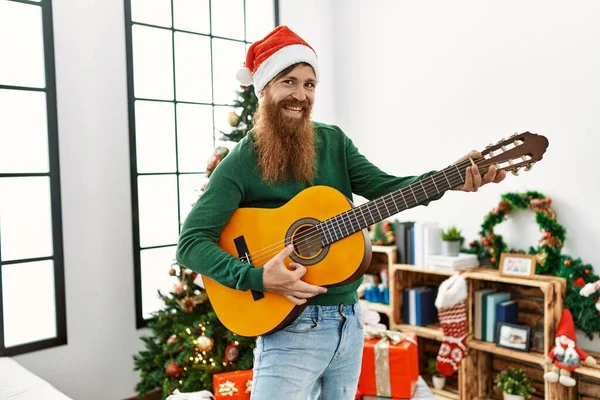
column 410, row 196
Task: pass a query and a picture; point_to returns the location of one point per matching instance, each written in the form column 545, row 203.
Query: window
column 182, row 58
column 32, row 288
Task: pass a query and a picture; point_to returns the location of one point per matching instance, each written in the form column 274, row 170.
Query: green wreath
column 490, row 246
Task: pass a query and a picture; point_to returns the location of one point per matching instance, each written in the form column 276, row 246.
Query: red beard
column 285, row 145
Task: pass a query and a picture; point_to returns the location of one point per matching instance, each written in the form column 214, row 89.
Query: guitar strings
column 308, row 238
column 259, row 257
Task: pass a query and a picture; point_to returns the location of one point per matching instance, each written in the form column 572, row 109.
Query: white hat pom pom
column 244, row 76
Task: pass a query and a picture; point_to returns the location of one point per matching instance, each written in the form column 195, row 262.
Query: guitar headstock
column 521, row 150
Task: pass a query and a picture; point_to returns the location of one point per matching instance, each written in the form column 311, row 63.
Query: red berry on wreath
column 567, row 262
column 586, row 271
column 471, row 244
column 548, row 200
column 486, row 243
column 548, row 235
column 493, row 260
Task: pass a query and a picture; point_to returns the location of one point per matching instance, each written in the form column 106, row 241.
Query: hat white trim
column 280, row 60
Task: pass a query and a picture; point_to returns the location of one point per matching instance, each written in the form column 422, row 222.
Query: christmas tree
column 188, row 343
column 247, row 102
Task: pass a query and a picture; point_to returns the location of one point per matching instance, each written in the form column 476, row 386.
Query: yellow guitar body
column 266, row 232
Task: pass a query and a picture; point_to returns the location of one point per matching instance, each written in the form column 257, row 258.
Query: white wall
column 91, row 83
column 314, row 20
column 419, row 84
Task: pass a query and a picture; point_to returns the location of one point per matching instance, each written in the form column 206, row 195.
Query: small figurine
column 590, row 289
column 566, row 355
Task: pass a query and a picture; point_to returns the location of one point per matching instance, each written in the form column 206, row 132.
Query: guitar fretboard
column 365, row 215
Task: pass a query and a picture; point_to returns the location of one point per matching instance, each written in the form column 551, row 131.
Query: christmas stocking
column 452, row 313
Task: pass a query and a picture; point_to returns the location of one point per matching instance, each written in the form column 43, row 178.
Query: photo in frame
column 515, row 337
column 517, row 265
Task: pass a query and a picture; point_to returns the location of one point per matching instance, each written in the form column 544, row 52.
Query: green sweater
column 236, row 183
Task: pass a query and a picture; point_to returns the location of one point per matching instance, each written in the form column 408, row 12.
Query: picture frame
column 514, row 337
column 517, row 265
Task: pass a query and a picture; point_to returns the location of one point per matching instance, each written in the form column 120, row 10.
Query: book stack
column 492, row 307
column 416, row 240
column 418, row 305
column 462, row 261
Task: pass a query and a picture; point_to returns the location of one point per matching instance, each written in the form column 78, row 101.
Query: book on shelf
column 491, row 302
column 418, row 305
column 507, row 311
column 478, row 313
column 416, row 240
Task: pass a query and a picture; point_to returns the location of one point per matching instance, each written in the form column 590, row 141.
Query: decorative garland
column 490, row 246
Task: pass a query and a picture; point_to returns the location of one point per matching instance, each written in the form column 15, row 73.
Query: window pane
column 228, row 57
column 194, row 136
column 152, row 63
column 22, row 45
column 28, row 318
column 159, row 224
column 260, row 19
column 189, row 191
column 25, row 218
column 154, row 12
column 192, row 15
column 23, row 132
column 155, row 136
column 228, row 18
column 192, row 66
column 155, row 265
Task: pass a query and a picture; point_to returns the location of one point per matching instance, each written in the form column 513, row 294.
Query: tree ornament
column 233, row 119
column 187, row 304
column 172, row 271
column 205, row 343
column 232, row 353
column 567, row 262
column 173, row 369
column 172, row 339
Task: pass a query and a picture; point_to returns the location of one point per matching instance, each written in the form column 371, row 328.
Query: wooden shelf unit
column 383, row 257
column 475, row 375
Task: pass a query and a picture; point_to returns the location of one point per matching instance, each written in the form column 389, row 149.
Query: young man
column 319, row 354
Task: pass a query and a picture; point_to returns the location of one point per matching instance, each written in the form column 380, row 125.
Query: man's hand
column 473, row 179
column 277, row 278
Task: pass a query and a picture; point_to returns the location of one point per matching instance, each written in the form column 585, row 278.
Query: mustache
column 305, row 104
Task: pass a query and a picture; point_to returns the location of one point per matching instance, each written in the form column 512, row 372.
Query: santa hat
column 566, row 326
column 275, row 52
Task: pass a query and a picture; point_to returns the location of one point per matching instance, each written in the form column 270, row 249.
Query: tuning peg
column 501, row 140
column 529, row 166
column 515, row 171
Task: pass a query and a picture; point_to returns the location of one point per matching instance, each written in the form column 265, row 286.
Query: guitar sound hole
column 307, row 241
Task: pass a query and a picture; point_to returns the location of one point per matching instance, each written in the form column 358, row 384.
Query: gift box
column 233, row 385
column 390, row 365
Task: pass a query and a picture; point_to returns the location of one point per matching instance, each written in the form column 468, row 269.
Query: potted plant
column 514, row 384
column 451, row 240
column 439, row 381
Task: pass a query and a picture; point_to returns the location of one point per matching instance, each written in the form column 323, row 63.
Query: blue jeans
column 318, row 356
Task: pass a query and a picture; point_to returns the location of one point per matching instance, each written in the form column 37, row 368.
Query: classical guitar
column 330, row 235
